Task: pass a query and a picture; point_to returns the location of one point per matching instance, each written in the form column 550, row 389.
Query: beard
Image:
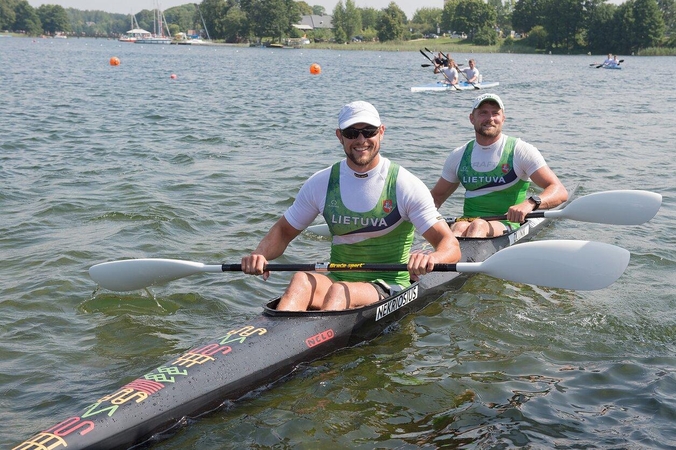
column 363, row 159
column 492, row 132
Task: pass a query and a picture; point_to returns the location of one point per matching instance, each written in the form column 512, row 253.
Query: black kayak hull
column 247, row 357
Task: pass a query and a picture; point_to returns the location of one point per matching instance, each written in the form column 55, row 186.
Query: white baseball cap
column 358, row 112
column 486, row 98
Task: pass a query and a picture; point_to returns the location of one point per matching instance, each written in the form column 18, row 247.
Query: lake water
column 99, row 163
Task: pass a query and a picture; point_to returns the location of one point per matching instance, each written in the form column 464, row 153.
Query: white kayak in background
column 461, row 86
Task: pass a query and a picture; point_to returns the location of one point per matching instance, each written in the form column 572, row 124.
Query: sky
column 133, row 6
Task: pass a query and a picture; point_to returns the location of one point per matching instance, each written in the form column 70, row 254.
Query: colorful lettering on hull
column 137, row 391
column 53, row 438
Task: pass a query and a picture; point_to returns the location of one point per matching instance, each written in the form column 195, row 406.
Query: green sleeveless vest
column 511, row 189
column 390, row 248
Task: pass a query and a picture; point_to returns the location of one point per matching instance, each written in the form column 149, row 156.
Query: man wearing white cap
column 495, row 170
column 371, row 206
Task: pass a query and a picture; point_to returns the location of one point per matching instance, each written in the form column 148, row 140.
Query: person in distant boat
column 614, row 62
column 471, row 72
column 449, row 71
column 371, row 206
column 496, row 170
column 441, row 59
column 609, row 59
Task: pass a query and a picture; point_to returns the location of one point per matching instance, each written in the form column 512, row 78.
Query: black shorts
column 382, row 290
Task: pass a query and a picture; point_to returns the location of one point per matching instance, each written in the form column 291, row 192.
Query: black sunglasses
column 353, row 133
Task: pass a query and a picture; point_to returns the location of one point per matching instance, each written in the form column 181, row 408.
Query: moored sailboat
column 159, row 25
column 135, row 32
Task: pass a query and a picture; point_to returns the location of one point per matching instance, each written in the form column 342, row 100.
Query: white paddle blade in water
column 133, row 274
column 577, row 265
column 621, row 207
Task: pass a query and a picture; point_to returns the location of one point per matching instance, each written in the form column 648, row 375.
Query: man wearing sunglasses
column 372, row 207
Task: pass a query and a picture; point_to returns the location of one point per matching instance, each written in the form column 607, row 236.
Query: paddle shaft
column 337, row 267
column 563, row 264
column 430, row 65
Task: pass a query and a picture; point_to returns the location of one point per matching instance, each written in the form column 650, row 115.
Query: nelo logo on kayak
column 320, row 338
column 397, row 302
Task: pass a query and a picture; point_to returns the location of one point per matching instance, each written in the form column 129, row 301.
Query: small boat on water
column 614, row 65
column 261, row 351
column 461, row 86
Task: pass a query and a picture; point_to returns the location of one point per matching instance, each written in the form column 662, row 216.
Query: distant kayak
column 611, row 65
column 461, row 86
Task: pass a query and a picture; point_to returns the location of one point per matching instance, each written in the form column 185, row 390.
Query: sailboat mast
column 203, row 23
column 160, row 33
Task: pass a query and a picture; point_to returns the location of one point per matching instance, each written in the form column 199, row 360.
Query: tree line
column 559, row 26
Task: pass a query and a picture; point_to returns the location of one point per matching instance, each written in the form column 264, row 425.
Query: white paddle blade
column 564, row 264
column 133, row 274
column 320, row 230
column 621, row 207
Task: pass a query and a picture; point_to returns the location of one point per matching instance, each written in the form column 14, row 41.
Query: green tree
column 184, row 18
column 503, row 19
column 235, row 25
column 447, row 16
column 564, row 21
column 346, row 21
column 304, row 9
column 369, row 17
column 215, row 13
column 528, row 14
column 27, row 19
column 352, row 19
column 391, row 24
column 668, row 8
column 54, row 19
column 272, row 18
column 7, row 14
column 537, row 37
column 318, row 10
column 338, row 22
column 485, row 36
column 600, row 35
column 473, row 15
column 649, row 25
column 427, row 19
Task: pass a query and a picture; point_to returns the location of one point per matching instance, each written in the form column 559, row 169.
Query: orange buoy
column 315, row 69
column 114, row 61
column 173, row 76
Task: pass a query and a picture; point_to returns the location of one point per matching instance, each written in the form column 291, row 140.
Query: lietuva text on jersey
column 363, row 221
column 482, row 179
